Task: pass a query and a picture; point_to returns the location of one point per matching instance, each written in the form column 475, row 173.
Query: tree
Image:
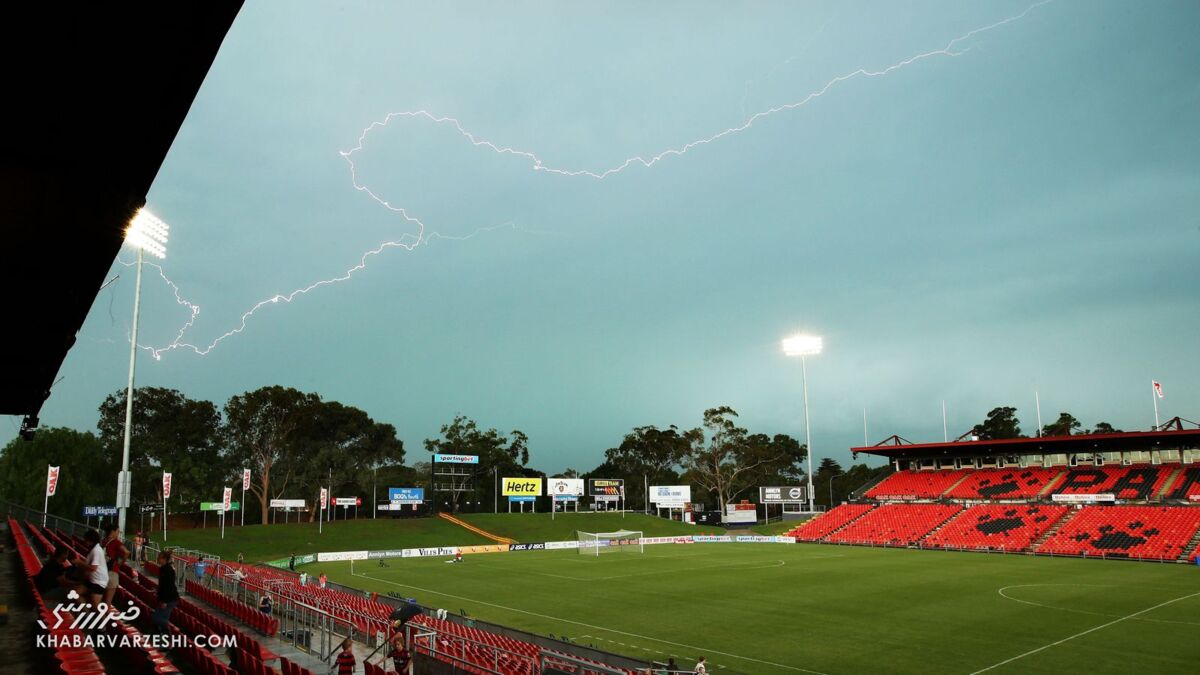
column 1000, row 423
column 1065, row 425
column 646, row 454
column 1105, row 428
column 725, row 460
column 498, row 454
column 340, row 446
column 172, row 433
column 88, row 473
column 262, row 430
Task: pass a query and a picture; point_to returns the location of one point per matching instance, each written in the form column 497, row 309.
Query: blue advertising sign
column 94, row 511
column 406, row 495
column 522, row 499
column 456, row 459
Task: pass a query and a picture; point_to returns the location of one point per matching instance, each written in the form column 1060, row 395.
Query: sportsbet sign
column 522, row 487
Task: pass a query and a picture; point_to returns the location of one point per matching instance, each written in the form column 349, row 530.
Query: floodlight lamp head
column 148, row 232
column 802, row 345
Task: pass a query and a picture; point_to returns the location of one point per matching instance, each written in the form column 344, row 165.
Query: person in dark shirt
column 52, row 581
column 264, row 604
column 345, row 659
column 168, row 595
column 400, row 656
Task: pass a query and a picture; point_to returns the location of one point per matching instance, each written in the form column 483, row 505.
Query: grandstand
column 306, row 625
column 1123, row 495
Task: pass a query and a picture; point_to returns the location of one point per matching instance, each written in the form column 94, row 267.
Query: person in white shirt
column 95, row 568
column 701, row 669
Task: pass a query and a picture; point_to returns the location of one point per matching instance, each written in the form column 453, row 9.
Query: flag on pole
column 227, row 499
column 324, row 498
column 245, row 480
column 166, row 485
column 1157, row 388
column 51, row 481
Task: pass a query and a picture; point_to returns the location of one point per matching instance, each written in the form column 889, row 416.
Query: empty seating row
column 916, row 484
column 1143, row 532
column 251, row 616
column 823, row 525
column 1010, row 483
column 895, row 524
column 1005, row 527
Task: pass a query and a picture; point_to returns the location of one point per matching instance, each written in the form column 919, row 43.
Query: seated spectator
column 322, row 580
column 52, row 581
column 264, row 604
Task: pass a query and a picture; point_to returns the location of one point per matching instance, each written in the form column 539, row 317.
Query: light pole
column 831, row 487
column 145, row 233
column 803, row 346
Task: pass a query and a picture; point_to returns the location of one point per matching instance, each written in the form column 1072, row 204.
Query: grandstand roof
column 897, row 448
column 97, row 93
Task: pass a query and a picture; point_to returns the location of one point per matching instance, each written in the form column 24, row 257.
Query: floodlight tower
column 802, row 346
column 146, row 233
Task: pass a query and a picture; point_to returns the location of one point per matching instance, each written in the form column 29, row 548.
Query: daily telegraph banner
column 756, row 539
column 712, row 538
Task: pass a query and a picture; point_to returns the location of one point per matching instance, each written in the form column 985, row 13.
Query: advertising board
column 673, row 496
column 456, row 459
column 781, row 494
column 565, row 489
column 521, row 487
column 406, row 495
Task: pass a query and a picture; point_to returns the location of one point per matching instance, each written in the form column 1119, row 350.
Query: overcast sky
column 1019, row 216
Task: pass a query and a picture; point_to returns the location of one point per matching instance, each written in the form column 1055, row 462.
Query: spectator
column 115, row 554
column 168, row 595
column 138, row 542
column 322, row 579
column 240, row 558
column 201, row 566
column 401, row 659
column 671, row 665
column 292, row 563
column 264, row 604
column 700, row 669
column 94, row 568
column 52, row 581
column 304, row 578
column 345, row 660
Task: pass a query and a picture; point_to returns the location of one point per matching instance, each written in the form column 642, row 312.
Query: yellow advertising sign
column 485, row 548
column 522, row 487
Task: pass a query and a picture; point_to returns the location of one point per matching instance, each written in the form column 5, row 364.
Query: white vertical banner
column 51, row 488
column 1156, row 388
column 245, row 486
column 51, row 480
column 226, row 502
column 321, row 516
column 166, row 494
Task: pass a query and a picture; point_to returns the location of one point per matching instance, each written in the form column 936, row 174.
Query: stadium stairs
column 1193, row 548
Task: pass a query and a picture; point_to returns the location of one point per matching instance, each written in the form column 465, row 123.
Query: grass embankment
column 777, row 528
column 259, row 543
column 535, row 527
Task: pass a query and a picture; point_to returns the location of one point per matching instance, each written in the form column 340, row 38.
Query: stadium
column 291, row 486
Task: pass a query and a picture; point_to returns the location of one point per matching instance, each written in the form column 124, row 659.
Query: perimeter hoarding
column 406, row 495
column 781, row 494
column 606, row 489
column 565, row 489
column 521, row 487
column 670, row 496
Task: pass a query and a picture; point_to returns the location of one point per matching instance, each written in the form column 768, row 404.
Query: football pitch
column 772, row 608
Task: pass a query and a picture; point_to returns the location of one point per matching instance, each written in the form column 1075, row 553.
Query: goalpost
column 595, row 543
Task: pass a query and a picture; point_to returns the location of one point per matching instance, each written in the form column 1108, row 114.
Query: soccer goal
column 595, row 543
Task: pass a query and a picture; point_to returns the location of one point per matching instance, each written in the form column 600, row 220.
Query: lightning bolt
column 422, row 235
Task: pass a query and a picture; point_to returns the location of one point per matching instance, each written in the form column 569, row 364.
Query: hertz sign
column 522, row 487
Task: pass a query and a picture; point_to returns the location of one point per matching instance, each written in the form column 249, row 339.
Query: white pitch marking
column 1082, row 633
column 1080, row 611
column 593, row 626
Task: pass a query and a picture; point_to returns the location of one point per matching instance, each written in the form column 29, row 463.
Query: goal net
column 596, row 543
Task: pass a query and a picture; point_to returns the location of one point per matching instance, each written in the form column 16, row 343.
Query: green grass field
column 260, row 543
column 768, row 608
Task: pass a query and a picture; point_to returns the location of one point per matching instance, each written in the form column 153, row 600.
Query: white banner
column 287, row 503
column 245, row 480
column 674, row 496
column 553, row 545
column 341, row 555
column 712, row 538
column 51, row 480
column 1083, row 499
column 564, row 488
column 324, row 498
column 227, row 499
column 347, row 501
column 166, row 485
